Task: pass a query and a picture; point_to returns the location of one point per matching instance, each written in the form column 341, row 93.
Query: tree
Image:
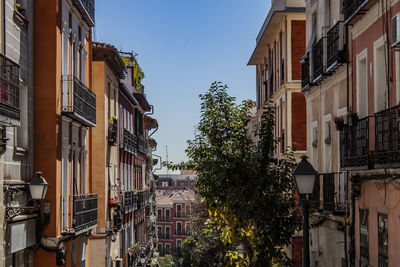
column 248, row 192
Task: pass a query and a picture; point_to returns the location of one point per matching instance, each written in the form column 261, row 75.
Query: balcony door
column 362, row 84
column 380, row 77
column 178, row 228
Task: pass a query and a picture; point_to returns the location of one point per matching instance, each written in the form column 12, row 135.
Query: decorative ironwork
column 86, row 7
column 9, row 88
column 354, row 150
column 317, row 57
column 352, row 7
column 129, row 142
column 387, row 138
column 142, row 144
column 130, row 200
column 79, row 102
column 335, row 47
column 84, row 211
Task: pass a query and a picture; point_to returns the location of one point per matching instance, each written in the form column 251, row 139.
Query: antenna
column 166, row 156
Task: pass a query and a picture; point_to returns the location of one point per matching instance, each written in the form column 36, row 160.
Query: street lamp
column 142, row 259
column 38, row 187
column 305, row 176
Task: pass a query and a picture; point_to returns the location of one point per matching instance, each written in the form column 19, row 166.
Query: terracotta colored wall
column 298, row 36
column 99, row 148
column 299, row 141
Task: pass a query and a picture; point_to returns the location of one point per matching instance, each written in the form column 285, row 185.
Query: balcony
column 354, row 9
column 387, row 145
column 181, row 233
column 78, row 101
column 142, row 145
column 9, row 91
column 82, row 214
column 271, row 83
column 164, row 219
column 318, row 61
column 354, row 150
column 143, row 199
column 333, row 200
column 180, row 215
column 165, row 236
column 86, row 8
column 305, row 73
column 128, row 142
column 336, row 52
column 129, row 200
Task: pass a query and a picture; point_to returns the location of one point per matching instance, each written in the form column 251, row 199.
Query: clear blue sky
column 183, row 46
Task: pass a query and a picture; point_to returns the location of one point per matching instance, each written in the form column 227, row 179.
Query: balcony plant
column 339, row 123
column 352, row 118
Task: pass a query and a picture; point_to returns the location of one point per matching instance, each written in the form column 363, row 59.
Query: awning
column 310, row 44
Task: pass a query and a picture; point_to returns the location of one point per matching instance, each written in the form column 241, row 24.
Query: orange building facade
column 65, row 112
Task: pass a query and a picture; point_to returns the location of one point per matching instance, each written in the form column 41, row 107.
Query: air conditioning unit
column 396, row 31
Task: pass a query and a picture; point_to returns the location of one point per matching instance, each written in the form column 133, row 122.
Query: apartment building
column 173, row 213
column 325, row 85
column 279, row 49
column 370, row 141
column 135, row 172
column 168, row 184
column 65, row 112
column 280, row 46
column 18, row 210
column 107, row 70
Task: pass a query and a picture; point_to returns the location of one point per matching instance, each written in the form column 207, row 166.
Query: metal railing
column 333, row 199
column 387, row 138
column 354, row 145
column 165, row 236
column 82, row 215
column 142, row 145
column 317, row 57
column 130, row 200
column 305, row 73
column 78, row 101
column 86, row 7
column 336, row 52
column 182, row 233
column 143, row 198
column 164, row 219
column 352, row 7
column 129, row 142
column 180, row 215
column 9, row 88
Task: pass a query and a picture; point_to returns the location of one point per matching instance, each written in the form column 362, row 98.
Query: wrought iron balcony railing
column 164, row 219
column 165, row 236
column 180, row 215
column 336, row 52
column 9, row 88
column 354, row 150
column 333, row 198
column 318, row 61
column 142, row 145
column 305, row 73
column 78, row 101
column 129, row 143
column 387, row 138
column 354, row 8
column 86, row 7
column 182, row 233
column 130, row 200
column 82, row 214
column 143, row 199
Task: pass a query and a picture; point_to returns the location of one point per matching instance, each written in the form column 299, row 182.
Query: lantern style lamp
column 38, row 187
column 305, row 176
column 142, row 259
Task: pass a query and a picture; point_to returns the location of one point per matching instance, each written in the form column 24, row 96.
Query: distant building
column 170, row 183
column 172, row 221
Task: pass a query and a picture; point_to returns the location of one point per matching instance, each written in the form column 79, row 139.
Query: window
column 327, row 144
column 382, row 240
column 168, row 248
column 159, row 228
column 167, row 214
column 178, row 210
column 364, row 247
column 159, row 212
column 187, row 206
column 362, row 84
column 167, row 232
column 178, row 228
column 380, row 77
column 159, row 247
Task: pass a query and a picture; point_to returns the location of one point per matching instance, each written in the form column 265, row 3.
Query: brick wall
column 299, row 121
column 297, row 251
column 298, row 36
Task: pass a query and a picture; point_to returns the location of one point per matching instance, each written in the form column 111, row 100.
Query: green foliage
column 248, row 192
column 138, row 74
column 166, row 261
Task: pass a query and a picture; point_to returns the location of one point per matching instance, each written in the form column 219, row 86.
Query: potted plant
column 352, row 117
column 339, row 123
